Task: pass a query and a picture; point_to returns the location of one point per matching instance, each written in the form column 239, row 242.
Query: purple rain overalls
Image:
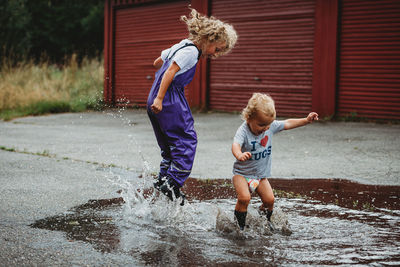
column 174, row 125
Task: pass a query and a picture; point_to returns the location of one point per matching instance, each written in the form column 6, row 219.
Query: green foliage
column 51, row 28
column 14, row 20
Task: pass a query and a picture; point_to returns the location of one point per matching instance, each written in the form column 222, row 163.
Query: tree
column 15, row 40
column 51, row 28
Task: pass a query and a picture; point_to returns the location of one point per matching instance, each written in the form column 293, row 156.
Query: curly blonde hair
column 262, row 103
column 202, row 29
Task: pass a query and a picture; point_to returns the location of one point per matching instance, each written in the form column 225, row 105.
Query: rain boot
column 270, row 224
column 241, row 218
column 172, row 191
column 268, row 214
column 160, row 182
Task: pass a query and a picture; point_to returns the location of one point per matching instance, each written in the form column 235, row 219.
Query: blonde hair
column 202, row 29
column 262, row 103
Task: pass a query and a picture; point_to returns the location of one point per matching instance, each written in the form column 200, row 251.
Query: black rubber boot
column 241, row 218
column 171, row 189
column 270, row 224
column 269, row 214
column 159, row 183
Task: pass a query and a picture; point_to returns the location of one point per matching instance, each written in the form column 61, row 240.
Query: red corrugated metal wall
column 141, row 32
column 279, row 51
column 274, row 55
column 369, row 79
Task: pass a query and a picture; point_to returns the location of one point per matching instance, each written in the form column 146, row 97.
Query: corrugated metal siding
column 369, row 82
column 141, row 33
column 274, row 55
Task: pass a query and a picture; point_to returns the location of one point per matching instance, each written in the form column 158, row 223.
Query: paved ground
column 364, row 152
column 57, row 162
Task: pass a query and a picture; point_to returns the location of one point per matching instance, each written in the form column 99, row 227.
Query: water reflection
column 328, row 228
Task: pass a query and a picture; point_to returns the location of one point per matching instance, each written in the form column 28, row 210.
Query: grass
column 36, row 89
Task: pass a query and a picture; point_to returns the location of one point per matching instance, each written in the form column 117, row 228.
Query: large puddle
column 332, row 222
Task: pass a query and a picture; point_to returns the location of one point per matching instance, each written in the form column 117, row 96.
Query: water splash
column 256, row 225
column 324, row 215
column 142, row 203
column 155, row 231
column 133, row 142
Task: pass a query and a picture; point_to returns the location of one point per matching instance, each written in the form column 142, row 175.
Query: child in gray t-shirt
column 252, row 147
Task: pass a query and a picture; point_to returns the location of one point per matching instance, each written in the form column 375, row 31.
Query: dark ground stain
column 88, row 223
column 340, row 192
column 85, row 223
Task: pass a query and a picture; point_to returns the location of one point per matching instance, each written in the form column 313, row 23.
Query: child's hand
column 244, row 156
column 157, row 105
column 313, row 116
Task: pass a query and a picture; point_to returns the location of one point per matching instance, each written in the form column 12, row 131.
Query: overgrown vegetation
column 27, row 88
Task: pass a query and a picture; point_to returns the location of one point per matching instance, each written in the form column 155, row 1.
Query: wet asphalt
column 49, row 164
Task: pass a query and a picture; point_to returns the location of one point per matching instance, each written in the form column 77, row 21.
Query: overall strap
column 186, row 45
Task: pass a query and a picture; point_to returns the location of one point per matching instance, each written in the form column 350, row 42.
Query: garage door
column 141, row 33
column 369, row 81
column 274, row 55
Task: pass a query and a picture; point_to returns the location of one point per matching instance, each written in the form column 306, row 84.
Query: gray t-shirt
column 185, row 58
column 260, row 147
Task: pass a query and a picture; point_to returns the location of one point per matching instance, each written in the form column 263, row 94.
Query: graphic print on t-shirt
column 256, row 154
column 260, row 147
column 264, row 141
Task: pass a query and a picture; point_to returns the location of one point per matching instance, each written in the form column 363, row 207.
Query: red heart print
column 264, row 141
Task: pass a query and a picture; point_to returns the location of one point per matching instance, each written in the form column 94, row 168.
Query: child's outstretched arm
column 294, row 123
column 165, row 83
column 239, row 155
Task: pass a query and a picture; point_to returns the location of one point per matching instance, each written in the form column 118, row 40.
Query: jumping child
column 167, row 106
column 252, row 147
